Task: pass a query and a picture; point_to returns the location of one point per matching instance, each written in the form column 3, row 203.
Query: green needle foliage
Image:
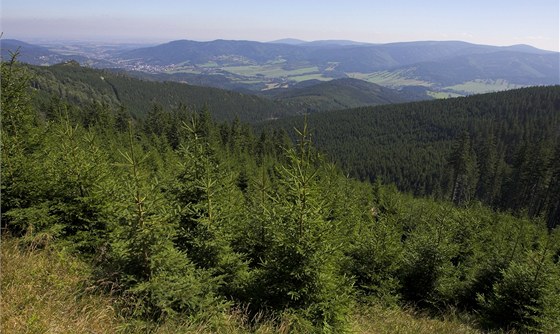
column 301, row 265
column 159, row 279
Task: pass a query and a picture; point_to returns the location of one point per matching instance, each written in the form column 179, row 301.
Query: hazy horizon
column 501, row 23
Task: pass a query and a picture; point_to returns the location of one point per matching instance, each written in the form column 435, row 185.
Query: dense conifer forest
column 181, row 216
column 78, row 85
column 501, row 149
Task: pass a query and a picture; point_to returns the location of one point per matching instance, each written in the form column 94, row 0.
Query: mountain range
column 443, row 69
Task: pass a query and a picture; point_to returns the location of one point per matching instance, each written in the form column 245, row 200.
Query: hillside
column 511, row 133
column 351, row 57
column 514, row 67
column 181, row 223
column 29, row 53
column 82, row 86
column 341, row 94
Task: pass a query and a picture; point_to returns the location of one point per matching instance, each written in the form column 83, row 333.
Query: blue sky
column 497, row 22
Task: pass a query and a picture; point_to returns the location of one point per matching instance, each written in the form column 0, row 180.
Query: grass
column 257, row 73
column 270, row 71
column 443, row 95
column 376, row 319
column 389, row 79
column 210, row 64
column 317, row 76
column 44, row 291
column 483, row 86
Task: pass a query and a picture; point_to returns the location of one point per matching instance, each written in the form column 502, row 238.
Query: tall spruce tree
column 488, row 168
column 211, row 209
column 465, row 171
column 159, row 279
column 19, row 140
column 301, row 266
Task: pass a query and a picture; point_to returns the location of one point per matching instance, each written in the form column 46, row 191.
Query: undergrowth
column 46, row 290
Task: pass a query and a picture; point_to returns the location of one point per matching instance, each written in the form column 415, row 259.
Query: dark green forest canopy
column 314, row 95
column 81, row 85
column 410, row 144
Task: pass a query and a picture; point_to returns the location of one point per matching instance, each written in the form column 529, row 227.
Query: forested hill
column 344, row 94
column 84, row 86
column 510, row 146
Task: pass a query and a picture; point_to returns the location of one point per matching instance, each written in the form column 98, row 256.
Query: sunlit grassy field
column 271, row 70
column 389, row 79
column 483, row 86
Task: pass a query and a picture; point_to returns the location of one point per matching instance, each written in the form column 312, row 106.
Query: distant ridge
column 28, row 53
column 289, row 41
column 39, row 55
column 332, row 42
column 443, row 68
column 350, row 57
column 336, row 42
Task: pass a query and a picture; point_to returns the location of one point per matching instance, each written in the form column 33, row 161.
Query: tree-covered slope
column 512, row 134
column 519, row 68
column 341, row 94
column 81, row 85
